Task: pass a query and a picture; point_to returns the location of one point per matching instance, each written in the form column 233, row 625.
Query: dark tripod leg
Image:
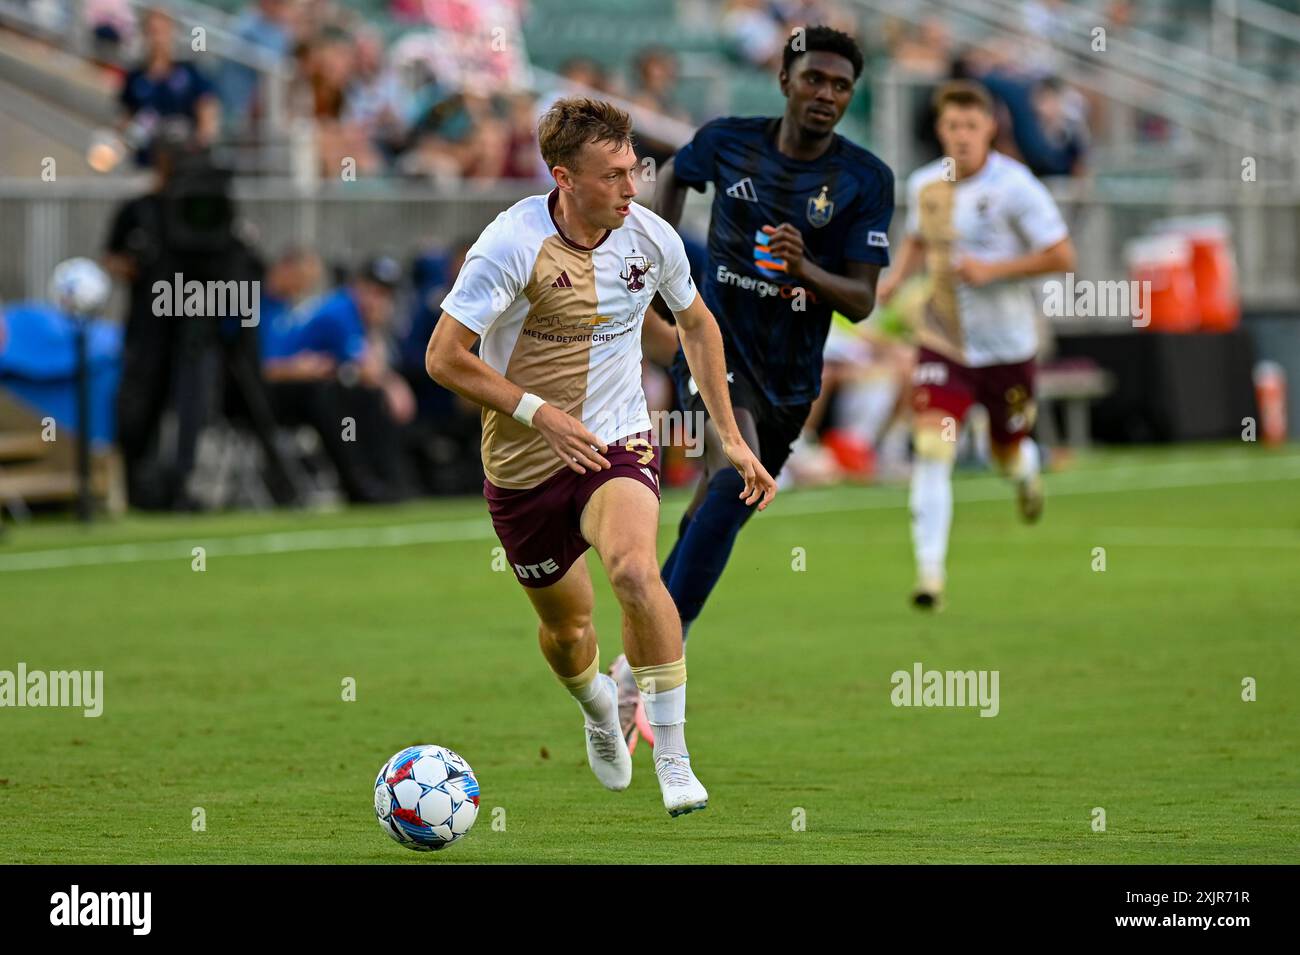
column 287, row 483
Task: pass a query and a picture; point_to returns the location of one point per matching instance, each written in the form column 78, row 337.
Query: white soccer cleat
column 682, row 792
column 607, row 752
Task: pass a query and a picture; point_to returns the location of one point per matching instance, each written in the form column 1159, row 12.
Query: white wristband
column 528, row 406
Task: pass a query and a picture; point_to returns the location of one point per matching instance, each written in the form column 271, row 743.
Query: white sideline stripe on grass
column 429, row 532
column 1070, row 484
column 1227, row 538
column 801, row 504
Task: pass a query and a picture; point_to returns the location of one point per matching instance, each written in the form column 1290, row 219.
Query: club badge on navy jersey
column 636, row 268
column 820, row 209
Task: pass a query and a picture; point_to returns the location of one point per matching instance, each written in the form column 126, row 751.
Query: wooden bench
column 1075, row 384
column 35, row 471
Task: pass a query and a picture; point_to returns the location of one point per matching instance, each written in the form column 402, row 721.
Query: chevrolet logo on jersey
column 557, row 321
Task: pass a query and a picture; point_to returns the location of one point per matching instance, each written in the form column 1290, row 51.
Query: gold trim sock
column 586, row 689
column 663, row 689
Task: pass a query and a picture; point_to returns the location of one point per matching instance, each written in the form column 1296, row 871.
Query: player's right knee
column 632, row 576
column 565, row 633
column 931, row 445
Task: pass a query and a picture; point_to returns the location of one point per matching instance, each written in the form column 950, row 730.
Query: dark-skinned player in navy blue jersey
column 799, row 230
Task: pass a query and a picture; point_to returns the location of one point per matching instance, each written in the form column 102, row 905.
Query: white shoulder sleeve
column 675, row 284
column 1037, row 216
column 495, row 272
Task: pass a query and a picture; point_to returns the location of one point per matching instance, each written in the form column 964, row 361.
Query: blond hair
column 573, row 122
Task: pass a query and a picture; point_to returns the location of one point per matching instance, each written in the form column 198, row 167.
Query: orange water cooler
column 1214, row 269
column 1165, row 260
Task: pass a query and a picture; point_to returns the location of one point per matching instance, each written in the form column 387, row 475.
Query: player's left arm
column 853, row 294
column 1035, row 216
column 702, row 343
column 1059, row 257
column 658, row 338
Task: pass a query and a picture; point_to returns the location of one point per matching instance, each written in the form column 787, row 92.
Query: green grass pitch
column 1119, row 689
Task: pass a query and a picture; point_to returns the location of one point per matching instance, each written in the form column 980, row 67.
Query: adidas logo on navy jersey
column 743, row 190
column 562, row 281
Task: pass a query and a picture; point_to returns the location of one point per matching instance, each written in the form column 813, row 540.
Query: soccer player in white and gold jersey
column 981, row 224
column 555, row 291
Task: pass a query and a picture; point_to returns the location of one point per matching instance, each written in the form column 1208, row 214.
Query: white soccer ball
column 426, row 797
column 80, row 287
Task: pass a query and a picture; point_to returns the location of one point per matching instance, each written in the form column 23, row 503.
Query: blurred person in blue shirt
column 327, row 366
column 445, row 451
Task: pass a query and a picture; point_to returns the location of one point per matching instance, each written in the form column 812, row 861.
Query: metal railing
column 47, row 222
column 1222, row 109
column 1229, row 16
column 63, row 25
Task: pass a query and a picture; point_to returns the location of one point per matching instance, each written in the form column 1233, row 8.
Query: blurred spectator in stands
column 1048, row 19
column 446, row 432
column 112, row 24
column 587, row 74
column 654, row 82
column 406, row 11
column 792, row 14
column 753, row 32
column 1060, row 142
column 523, row 159
column 329, row 368
column 378, row 103
column 164, row 91
column 461, row 136
column 924, row 51
column 327, row 65
column 292, row 278
column 653, row 87
column 1048, row 22
column 1045, row 119
column 1119, row 15
column 269, row 25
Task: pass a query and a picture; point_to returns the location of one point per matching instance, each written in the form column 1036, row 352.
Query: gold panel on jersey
column 551, row 359
column 940, row 324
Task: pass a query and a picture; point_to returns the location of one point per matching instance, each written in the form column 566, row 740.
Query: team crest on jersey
column 820, row 209
column 636, row 268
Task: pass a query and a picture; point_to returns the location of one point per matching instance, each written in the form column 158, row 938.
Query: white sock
column 1027, row 461
column 666, row 712
column 931, row 503
column 598, row 705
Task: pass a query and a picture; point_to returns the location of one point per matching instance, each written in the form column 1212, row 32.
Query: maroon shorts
column 540, row 527
column 1007, row 391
